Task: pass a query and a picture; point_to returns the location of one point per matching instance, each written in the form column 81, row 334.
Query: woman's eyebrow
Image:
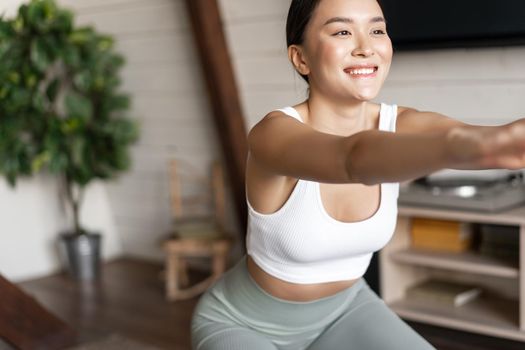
column 349, row 20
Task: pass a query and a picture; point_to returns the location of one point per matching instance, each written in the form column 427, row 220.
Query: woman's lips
column 362, row 71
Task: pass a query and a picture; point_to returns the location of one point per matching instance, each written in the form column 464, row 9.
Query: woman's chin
column 365, row 96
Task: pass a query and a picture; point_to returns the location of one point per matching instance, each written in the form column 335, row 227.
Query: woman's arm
column 281, row 145
column 287, row 147
column 412, row 121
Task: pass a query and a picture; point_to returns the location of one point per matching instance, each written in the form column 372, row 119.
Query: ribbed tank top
column 301, row 243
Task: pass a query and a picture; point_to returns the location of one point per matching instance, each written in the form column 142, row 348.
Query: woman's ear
column 296, row 56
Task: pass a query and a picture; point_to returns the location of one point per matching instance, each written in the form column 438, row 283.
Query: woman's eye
column 378, row 32
column 342, row 33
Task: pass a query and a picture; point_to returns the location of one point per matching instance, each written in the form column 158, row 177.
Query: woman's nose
column 363, row 47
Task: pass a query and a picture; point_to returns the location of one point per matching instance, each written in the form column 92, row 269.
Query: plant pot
column 82, row 254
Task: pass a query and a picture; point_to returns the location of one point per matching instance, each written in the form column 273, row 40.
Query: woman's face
column 347, row 52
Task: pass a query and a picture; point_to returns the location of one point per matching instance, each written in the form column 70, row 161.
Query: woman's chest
column 349, row 202
column 310, row 233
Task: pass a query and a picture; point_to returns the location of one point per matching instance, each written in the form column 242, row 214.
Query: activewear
column 236, row 314
column 302, row 243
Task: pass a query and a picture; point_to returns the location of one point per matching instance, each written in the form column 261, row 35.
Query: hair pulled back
column 299, row 16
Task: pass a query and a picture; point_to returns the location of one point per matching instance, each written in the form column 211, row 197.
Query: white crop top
column 302, row 243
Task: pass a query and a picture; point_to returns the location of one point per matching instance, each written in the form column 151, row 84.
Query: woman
column 322, row 184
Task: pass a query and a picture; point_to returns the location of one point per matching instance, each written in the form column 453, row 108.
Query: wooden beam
column 222, row 90
column 26, row 325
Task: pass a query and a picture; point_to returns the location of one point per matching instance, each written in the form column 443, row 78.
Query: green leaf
column 6, row 29
column 52, row 90
column 81, row 35
column 20, row 97
column 57, row 163
column 83, row 81
column 78, row 106
column 35, row 13
column 31, row 80
column 18, row 25
column 71, row 125
column 14, row 77
column 71, row 56
column 39, row 102
column 40, row 161
column 64, row 22
column 39, row 54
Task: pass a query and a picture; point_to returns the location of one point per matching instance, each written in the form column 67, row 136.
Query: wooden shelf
column 465, row 262
column 514, row 216
column 401, row 267
column 492, row 316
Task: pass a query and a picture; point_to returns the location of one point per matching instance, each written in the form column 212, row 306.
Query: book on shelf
column 500, row 234
column 500, row 241
column 443, row 292
column 441, row 235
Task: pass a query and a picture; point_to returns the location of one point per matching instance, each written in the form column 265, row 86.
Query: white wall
column 256, row 35
column 170, row 101
column 10, row 7
column 32, row 217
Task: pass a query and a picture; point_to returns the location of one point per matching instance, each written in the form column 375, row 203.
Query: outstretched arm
column 287, row 147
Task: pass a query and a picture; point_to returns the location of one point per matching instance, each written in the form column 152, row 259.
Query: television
column 433, row 24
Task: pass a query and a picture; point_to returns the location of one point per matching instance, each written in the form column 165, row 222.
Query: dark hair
column 299, row 16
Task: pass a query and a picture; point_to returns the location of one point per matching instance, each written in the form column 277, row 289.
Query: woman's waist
column 295, row 292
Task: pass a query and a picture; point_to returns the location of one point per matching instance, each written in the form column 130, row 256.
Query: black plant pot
column 82, row 254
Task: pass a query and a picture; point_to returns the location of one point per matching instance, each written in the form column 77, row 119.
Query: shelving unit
column 499, row 312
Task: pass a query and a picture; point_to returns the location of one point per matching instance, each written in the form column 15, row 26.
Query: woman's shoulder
column 276, row 123
column 283, row 113
column 297, row 111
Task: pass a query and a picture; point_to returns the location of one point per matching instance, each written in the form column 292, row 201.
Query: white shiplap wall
column 170, row 101
column 256, row 35
column 483, row 86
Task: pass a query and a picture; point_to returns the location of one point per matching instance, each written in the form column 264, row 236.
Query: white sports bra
column 301, row 243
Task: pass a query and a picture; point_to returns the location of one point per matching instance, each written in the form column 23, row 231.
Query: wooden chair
column 197, row 234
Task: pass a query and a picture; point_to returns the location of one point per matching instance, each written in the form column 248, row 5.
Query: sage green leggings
column 236, row 314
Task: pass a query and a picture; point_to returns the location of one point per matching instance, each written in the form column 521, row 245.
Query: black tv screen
column 430, row 24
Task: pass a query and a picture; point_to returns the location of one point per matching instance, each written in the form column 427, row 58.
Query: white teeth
column 362, row 71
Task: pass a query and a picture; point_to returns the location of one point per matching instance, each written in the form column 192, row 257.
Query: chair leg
column 171, row 276
column 183, row 273
column 177, row 278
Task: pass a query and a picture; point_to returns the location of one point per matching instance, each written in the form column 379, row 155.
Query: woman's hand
column 488, row 147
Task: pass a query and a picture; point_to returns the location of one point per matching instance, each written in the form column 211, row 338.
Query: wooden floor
column 129, row 300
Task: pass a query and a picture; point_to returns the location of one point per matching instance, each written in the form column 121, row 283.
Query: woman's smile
column 362, row 71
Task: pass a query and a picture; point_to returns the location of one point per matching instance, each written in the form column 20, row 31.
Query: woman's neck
column 339, row 119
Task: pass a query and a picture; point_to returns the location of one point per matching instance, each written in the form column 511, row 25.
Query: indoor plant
column 60, row 110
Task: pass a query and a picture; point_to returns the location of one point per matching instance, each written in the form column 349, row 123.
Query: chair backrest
column 197, row 196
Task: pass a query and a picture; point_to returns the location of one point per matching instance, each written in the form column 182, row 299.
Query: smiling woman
column 322, row 195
